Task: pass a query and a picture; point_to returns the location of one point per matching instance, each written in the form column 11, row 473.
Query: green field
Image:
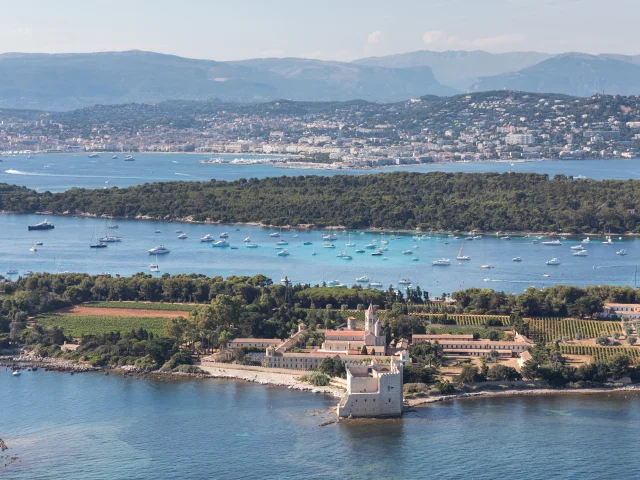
column 598, row 352
column 550, row 329
column 173, row 307
column 78, row 325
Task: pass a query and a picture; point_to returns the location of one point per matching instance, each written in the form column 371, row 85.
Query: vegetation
column 551, row 329
column 443, row 201
column 170, row 307
column 599, row 353
column 316, row 378
column 79, row 325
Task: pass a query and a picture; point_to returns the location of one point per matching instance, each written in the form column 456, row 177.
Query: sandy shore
column 517, row 393
column 265, row 376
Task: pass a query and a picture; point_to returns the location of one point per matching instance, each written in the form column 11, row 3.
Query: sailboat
column 99, row 244
column 155, row 267
column 460, row 256
column 11, row 270
column 349, row 242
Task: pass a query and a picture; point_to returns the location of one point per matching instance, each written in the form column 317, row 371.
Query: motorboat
column 208, row 238
column 110, row 239
column 182, row 236
column 275, row 234
column 408, row 252
column 12, row 271
column 129, row 158
column 487, row 266
column 416, row 259
column 33, row 249
column 44, row 225
column 371, row 246
column 553, row 261
column 252, row 245
column 404, row 281
column 487, row 279
column 441, row 262
column 535, row 241
column 98, row 245
column 283, row 253
column 377, row 253
column 333, row 283
column 347, row 257
column 224, row 235
column 282, row 242
column 506, row 237
column 308, row 243
column 115, row 157
column 247, row 240
column 158, row 231
column 93, row 155
column 462, row 257
column 37, row 243
column 608, row 241
column 159, row 250
column 362, row 279
column 586, row 240
column 577, row 247
column 329, row 245
column 221, row 243
column 580, row 253
column 360, row 250
column 553, row 243
column 516, row 259
column 546, row 275
column 16, row 373
column 28, row 272
column 375, row 284
column 621, row 252
column 329, row 236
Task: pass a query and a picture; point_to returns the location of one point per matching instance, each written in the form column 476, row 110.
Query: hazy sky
column 326, row 29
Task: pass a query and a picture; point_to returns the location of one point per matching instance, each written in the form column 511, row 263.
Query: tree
column 468, row 374
column 503, row 373
column 364, row 350
column 493, row 355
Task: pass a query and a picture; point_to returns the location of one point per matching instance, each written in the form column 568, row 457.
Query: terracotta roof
column 337, row 333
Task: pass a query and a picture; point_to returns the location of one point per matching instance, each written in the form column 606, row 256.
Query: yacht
column 283, row 253
column 247, row 240
column 182, row 236
column 282, row 242
column 159, row 250
column 37, row 243
column 553, row 261
column 129, row 158
column 94, row 155
column 608, row 241
column 487, row 279
column 416, row 259
column 408, row 252
column 155, row 267
column 371, row 246
column 360, row 250
column 580, row 253
column 12, row 271
column 347, row 257
column 115, row 157
column 487, row 266
column 28, row 272
column 221, row 243
column 207, row 238
column 516, row 259
column 404, row 281
column 586, row 240
column 16, row 373
column 377, row 253
column 158, row 231
column 546, row 275
column 362, row 279
column 224, row 235
column 577, row 247
column 329, row 236
column 42, row 226
column 110, row 239
column 98, row 245
column 329, row 245
column 535, row 241
column 252, row 245
column 275, row 234
column 308, row 243
column 460, row 256
column 622, row 252
column 333, row 283
column 506, row 237
column 375, row 284
column 552, row 243
column 441, row 262
column 33, row 249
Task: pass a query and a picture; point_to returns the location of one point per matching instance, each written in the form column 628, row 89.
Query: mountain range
column 68, row 81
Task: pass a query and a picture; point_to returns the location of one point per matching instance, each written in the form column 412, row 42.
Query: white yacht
column 115, row 157
column 553, row 261
column 159, row 250
column 408, row 252
column 580, row 253
column 16, row 373
column 252, row 245
column 362, row 279
column 460, row 256
column 224, row 235
column 375, row 284
column 516, row 259
column 33, row 249
column 283, row 253
column 329, row 236
column 487, row 266
column 282, row 242
column 553, row 243
column 110, row 239
column 586, row 240
column 129, row 158
column 622, row 252
column 608, row 241
column 329, row 245
column 221, row 243
column 333, row 283
column 441, row 262
column 577, row 247
column 155, row 267
column 371, row 246
column 37, row 243
column 404, row 281
column 208, row 238
column 535, row 241
column 94, row 155
column 506, row 237
column 247, row 240
column 275, row 234
column 182, row 236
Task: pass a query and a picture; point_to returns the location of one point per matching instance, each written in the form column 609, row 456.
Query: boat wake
column 183, row 174
column 13, row 171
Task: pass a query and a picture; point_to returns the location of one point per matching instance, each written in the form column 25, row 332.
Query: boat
column 360, row 250
column 129, row 158
column 408, row 252
column 207, row 238
column 282, row 242
column 487, row 279
column 577, row 247
column 93, row 155
column 622, row 252
column 45, row 225
column 221, row 243
column 333, row 283
column 283, row 253
column 552, row 243
column 182, row 236
column 98, row 245
column 159, row 250
column 506, row 237
column 586, row 240
column 33, row 249
column 534, row 241
column 16, row 373
column 460, row 256
column 546, row 275
column 553, row 261
column 404, row 281
column 116, row 226
column 516, row 259
column 179, row 231
column 329, row 236
column 275, row 234
column 349, row 242
column 252, row 245
column 608, row 241
column 37, row 243
column 377, row 253
column 362, row 279
column 347, row 257
column 487, row 266
column 158, row 231
column 329, row 245
column 246, row 240
column 375, row 284
column 11, row 270
column 224, row 235
column 371, row 246
column 110, row 239
column 580, row 253
column 441, row 262
column 308, row 243
column 115, row 157
column 416, row 259
column 234, row 248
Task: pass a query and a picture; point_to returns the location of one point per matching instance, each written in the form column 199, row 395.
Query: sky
column 325, row 29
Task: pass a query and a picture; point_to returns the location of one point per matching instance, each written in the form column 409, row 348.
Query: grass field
column 598, row 352
column 186, row 307
column 550, row 329
column 78, row 325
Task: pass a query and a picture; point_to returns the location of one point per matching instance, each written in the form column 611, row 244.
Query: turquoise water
column 90, row 426
column 66, row 248
column 58, row 172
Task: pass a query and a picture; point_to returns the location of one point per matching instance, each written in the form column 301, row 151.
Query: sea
column 59, row 172
column 91, row 426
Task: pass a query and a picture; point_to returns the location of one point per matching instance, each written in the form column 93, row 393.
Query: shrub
column 318, row 379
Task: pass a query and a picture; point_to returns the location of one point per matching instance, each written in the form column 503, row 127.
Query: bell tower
column 370, row 319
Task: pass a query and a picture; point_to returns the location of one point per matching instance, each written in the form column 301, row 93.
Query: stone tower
column 370, row 319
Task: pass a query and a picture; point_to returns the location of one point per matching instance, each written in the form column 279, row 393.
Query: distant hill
column 575, row 74
column 459, row 68
column 67, row 81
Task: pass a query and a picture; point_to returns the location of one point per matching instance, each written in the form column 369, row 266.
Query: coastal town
column 508, row 126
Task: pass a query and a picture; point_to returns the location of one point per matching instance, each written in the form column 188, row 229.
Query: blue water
column 66, row 248
column 90, row 426
column 59, row 172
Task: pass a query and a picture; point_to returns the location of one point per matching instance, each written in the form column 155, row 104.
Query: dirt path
column 122, row 312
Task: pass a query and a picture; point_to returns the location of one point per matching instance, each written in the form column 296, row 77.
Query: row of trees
column 437, row 200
